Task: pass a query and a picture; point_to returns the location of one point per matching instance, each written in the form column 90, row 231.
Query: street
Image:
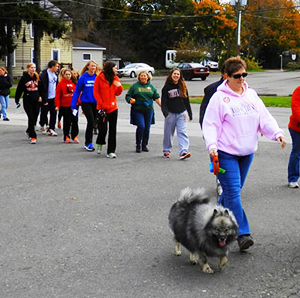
column 269, row 82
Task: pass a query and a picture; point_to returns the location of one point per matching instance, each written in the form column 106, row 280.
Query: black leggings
column 90, row 112
column 31, row 108
column 110, row 118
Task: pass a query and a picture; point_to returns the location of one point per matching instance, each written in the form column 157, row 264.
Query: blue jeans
column 4, row 100
column 232, row 182
column 177, row 121
column 143, row 122
column 293, row 167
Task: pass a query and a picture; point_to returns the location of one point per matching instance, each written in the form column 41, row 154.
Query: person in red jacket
column 107, row 86
column 294, row 128
column 63, row 98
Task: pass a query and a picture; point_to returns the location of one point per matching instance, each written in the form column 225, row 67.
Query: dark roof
column 79, row 44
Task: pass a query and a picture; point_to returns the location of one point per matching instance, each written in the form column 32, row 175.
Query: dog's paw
column 206, row 269
column 223, row 262
column 177, row 253
column 193, row 259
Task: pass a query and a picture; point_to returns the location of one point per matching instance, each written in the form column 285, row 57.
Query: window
column 86, row 57
column 31, row 31
column 56, row 55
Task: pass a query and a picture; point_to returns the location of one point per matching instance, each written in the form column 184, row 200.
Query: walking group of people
column 231, row 116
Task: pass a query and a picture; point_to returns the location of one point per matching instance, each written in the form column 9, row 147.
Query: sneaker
column 76, row 140
column 138, row 149
column 27, row 136
column 59, row 125
column 293, row 185
column 185, row 155
column 33, row 141
column 5, row 119
column 145, row 149
column 89, row 147
column 52, row 133
column 167, row 155
column 111, row 155
column 99, row 148
column 245, row 241
column 43, row 130
column 67, row 140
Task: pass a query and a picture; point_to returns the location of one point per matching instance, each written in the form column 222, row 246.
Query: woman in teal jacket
column 141, row 96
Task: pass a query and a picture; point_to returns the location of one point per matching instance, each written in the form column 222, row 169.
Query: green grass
column 269, row 101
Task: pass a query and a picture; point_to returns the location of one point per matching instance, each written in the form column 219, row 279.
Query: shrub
column 252, row 64
column 293, row 65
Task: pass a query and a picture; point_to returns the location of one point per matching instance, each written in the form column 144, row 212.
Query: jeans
column 50, row 107
column 90, row 112
column 111, row 119
column 4, row 101
column 143, row 122
column 232, row 182
column 177, row 121
column 293, row 167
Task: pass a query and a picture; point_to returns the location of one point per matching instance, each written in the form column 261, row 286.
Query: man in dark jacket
column 208, row 93
column 47, row 89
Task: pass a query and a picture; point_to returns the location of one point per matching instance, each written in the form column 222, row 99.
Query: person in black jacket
column 175, row 106
column 5, row 84
column 47, row 89
column 28, row 86
column 208, row 93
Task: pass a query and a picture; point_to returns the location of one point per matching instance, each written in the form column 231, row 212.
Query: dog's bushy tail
column 188, row 195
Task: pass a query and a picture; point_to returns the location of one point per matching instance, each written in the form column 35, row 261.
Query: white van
column 170, row 59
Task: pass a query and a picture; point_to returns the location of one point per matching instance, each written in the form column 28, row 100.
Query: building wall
column 23, row 52
column 79, row 63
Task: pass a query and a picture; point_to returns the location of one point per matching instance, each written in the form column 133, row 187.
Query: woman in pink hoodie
column 234, row 116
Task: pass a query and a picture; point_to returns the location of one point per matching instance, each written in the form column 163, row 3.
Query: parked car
column 193, row 70
column 133, row 69
column 212, row 65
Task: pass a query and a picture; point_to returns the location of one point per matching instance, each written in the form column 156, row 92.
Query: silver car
column 132, row 70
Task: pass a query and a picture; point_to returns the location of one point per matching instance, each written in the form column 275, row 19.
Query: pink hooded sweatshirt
column 232, row 121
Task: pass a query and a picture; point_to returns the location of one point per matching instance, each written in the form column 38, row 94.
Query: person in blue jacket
column 85, row 90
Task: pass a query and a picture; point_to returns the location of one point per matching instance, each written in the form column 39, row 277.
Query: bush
column 252, row 64
column 293, row 65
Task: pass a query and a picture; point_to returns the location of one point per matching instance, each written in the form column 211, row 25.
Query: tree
column 270, row 27
column 9, row 24
column 43, row 18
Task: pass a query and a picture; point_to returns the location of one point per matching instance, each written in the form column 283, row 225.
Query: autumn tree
column 214, row 26
column 269, row 28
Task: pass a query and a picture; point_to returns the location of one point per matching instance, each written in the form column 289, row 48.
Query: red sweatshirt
column 64, row 93
column 295, row 106
column 105, row 94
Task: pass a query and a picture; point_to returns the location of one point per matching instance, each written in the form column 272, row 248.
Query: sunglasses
column 238, row 76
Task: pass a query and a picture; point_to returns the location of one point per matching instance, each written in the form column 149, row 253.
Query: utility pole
column 240, row 4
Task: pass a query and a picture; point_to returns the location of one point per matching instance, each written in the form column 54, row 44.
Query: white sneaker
column 111, row 155
column 293, row 185
column 52, row 133
column 43, row 130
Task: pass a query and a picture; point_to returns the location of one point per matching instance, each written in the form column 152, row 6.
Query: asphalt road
column 78, row 225
column 270, row 82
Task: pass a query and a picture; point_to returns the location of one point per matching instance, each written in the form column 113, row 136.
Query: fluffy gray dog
column 203, row 227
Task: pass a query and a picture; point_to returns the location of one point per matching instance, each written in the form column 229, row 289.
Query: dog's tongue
column 222, row 243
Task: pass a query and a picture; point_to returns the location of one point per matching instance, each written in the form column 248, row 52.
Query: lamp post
column 281, row 62
column 240, row 3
